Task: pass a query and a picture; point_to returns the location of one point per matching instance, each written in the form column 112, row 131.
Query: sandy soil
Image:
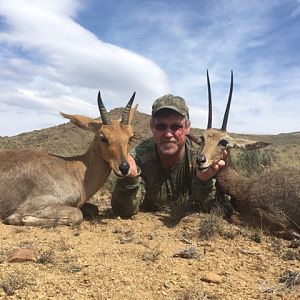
column 151, row 256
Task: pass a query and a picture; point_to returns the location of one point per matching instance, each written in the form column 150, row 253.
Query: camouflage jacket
column 156, row 187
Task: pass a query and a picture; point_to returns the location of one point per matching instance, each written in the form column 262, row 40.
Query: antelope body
column 37, row 188
column 271, row 200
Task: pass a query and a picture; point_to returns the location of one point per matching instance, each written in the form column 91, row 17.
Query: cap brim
column 169, row 107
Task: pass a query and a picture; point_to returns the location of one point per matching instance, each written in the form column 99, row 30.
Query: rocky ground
column 151, row 256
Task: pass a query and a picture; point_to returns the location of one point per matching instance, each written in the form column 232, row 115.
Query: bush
column 253, row 162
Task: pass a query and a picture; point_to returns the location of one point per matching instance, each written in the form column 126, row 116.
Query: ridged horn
column 126, row 111
column 209, row 103
column 104, row 115
column 225, row 119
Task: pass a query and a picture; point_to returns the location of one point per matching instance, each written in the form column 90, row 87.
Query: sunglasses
column 163, row 127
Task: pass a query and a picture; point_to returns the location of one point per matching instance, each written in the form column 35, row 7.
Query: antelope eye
column 103, row 139
column 131, row 138
column 223, row 143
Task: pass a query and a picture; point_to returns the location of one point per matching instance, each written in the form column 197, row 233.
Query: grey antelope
column 271, row 200
column 37, row 188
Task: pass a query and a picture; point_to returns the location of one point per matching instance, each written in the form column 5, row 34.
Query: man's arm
column 127, row 193
column 203, row 194
column 204, row 186
column 213, row 170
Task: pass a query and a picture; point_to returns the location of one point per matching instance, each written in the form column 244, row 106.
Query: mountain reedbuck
column 269, row 201
column 37, row 188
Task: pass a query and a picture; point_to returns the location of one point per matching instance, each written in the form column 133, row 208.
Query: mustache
column 172, row 140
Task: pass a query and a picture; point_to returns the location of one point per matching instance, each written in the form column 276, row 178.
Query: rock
column 9, row 291
column 212, row 277
column 189, row 253
column 21, row 255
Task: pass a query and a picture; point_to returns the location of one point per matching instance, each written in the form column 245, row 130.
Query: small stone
column 212, row 296
column 211, row 277
column 9, row 291
column 189, row 253
column 21, row 255
column 166, row 285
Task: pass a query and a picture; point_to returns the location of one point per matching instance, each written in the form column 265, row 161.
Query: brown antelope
column 270, row 200
column 37, row 188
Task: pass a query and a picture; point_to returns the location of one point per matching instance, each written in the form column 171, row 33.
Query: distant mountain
column 67, row 139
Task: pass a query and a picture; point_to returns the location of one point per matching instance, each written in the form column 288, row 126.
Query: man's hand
column 212, row 170
column 133, row 166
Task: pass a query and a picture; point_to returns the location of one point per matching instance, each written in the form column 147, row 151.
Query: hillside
column 67, row 139
column 152, row 255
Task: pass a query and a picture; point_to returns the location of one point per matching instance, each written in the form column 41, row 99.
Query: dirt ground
column 151, row 256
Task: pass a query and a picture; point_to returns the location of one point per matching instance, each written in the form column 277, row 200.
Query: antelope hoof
column 14, row 219
column 288, row 234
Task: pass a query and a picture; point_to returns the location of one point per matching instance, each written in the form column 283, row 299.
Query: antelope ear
column 247, row 144
column 132, row 113
column 83, row 121
column 192, row 138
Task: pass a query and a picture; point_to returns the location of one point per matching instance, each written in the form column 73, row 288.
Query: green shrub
column 253, row 162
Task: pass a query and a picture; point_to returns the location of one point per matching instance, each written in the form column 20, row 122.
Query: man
column 161, row 172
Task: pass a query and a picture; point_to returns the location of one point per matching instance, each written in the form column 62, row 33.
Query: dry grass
column 290, row 279
column 15, row 281
column 193, row 294
column 256, row 235
column 211, row 224
column 46, row 257
column 152, row 255
column 292, row 254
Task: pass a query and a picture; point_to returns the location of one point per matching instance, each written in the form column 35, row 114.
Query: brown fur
column 270, row 200
column 37, row 188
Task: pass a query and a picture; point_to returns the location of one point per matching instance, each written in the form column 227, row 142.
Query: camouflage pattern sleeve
column 203, row 194
column 128, row 192
column 126, row 196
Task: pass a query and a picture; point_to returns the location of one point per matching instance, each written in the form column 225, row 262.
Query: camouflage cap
column 172, row 102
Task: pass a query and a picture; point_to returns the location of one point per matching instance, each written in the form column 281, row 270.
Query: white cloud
column 53, row 64
column 15, row 119
column 50, row 62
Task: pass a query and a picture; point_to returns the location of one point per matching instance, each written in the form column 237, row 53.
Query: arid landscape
column 162, row 255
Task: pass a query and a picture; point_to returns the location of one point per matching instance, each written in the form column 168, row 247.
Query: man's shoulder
column 144, row 151
column 192, row 148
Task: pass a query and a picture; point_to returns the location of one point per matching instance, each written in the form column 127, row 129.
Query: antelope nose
column 124, row 168
column 201, row 159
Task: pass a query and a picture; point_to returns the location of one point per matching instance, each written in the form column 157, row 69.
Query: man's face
column 169, row 133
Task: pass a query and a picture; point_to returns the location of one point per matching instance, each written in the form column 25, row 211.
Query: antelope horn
column 126, row 111
column 104, row 115
column 209, row 103
column 225, row 119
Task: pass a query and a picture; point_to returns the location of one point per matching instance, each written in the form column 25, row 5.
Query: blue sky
column 55, row 56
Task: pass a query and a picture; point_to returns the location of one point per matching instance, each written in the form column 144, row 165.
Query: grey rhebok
column 37, row 188
column 270, row 200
